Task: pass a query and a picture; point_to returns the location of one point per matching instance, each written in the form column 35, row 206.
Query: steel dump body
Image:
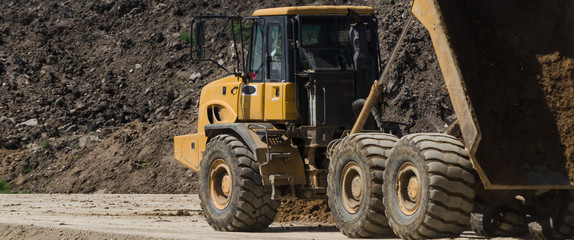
column 508, row 67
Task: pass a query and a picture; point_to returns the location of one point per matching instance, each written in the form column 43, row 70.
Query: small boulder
column 31, row 123
column 195, row 76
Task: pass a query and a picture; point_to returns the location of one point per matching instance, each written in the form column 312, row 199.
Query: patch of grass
column 46, row 144
column 4, row 187
column 143, row 164
column 392, row 2
column 187, row 86
column 186, row 37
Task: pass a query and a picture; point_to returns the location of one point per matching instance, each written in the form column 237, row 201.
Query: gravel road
column 126, row 216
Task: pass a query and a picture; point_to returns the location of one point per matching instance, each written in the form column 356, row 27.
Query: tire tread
column 255, row 210
column 450, row 187
column 374, row 147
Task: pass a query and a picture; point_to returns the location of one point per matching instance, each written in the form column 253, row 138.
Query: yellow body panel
column 219, row 102
column 252, row 102
column 280, row 101
column 225, row 101
column 313, row 10
column 188, row 149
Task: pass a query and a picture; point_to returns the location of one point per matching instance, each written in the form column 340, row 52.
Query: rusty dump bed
column 509, row 69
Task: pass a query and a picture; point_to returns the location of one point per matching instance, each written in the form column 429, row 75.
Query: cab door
column 275, row 77
column 268, row 96
column 279, row 92
column 253, row 90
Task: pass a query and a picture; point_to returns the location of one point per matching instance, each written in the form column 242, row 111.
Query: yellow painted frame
column 313, row 10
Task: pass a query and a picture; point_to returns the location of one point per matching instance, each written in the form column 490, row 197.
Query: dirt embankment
column 76, row 75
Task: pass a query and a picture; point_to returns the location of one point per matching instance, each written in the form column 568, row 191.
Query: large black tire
column 359, row 162
column 428, row 187
column 559, row 224
column 232, row 195
column 499, row 221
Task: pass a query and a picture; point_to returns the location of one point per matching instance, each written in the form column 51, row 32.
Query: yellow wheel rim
column 408, row 188
column 220, row 184
column 352, row 187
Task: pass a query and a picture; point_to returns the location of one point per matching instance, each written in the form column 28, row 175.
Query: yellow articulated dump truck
column 299, row 117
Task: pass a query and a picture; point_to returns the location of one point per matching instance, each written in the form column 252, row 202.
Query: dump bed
column 509, row 69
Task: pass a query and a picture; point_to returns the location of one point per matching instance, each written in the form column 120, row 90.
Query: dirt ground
column 129, row 216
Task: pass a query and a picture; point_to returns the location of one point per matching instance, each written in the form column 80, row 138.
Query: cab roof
column 313, row 10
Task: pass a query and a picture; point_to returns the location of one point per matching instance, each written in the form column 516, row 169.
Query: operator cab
column 316, row 54
column 306, row 66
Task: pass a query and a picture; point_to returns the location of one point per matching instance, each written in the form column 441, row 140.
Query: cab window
column 275, row 52
column 256, row 55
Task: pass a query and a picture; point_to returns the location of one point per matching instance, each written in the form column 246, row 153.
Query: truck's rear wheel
column 232, row 195
column 355, row 184
column 499, row 221
column 559, row 222
column 428, row 187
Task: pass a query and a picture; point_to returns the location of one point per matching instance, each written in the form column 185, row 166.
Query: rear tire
column 232, row 195
column 428, row 187
column 355, row 184
column 500, row 221
column 559, row 223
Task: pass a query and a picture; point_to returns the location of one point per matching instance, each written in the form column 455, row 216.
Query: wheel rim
column 408, row 188
column 220, row 184
column 352, row 187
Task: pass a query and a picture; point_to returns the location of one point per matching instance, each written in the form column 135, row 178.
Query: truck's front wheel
column 232, row 195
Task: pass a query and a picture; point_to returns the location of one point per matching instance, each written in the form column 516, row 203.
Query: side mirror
column 200, row 39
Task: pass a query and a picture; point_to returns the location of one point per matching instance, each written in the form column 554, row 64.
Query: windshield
column 328, row 31
column 325, row 32
column 325, row 43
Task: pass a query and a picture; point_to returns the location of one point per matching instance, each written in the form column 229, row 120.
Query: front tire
column 428, row 187
column 355, row 184
column 232, row 195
